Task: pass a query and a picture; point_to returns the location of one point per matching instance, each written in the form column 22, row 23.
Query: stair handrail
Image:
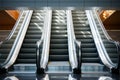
column 116, row 43
column 17, row 43
column 99, row 44
column 76, row 62
column 46, row 41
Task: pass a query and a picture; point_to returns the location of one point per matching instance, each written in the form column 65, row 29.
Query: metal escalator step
column 34, row 28
column 59, row 36
column 77, row 19
column 86, row 55
column 6, row 46
column 30, row 45
column 89, row 50
column 5, row 51
column 90, row 60
column 26, row 60
column 80, row 25
column 27, row 56
column 58, row 58
column 33, row 36
column 82, row 29
column 2, row 60
column 59, row 51
column 75, row 15
column 3, row 56
column 25, row 50
column 58, row 41
column 84, row 36
column 30, row 40
column 58, row 28
column 36, row 21
column 87, row 45
column 34, row 32
column 109, row 46
column 58, row 46
column 86, row 40
column 83, row 33
column 58, row 32
column 32, row 24
column 80, row 21
column 58, row 24
column 110, row 50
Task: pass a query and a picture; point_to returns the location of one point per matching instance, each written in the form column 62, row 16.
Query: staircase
column 58, row 54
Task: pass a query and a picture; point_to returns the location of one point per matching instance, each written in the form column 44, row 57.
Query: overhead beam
column 36, row 4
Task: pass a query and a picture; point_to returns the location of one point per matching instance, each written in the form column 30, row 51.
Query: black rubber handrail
column 38, row 56
column 79, row 55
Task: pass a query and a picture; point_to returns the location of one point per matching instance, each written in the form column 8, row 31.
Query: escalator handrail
column 13, row 30
column 38, row 45
column 46, row 41
column 18, row 42
column 98, row 41
column 15, row 26
column 117, row 44
column 75, row 58
column 101, row 25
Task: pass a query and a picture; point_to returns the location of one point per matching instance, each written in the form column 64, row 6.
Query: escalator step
column 58, row 41
column 59, row 51
column 24, row 50
column 87, row 45
column 90, row 60
column 59, row 46
column 86, row 50
column 59, row 58
column 58, row 36
column 26, row 60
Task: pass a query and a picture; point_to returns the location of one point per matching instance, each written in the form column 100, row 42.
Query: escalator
column 107, row 41
column 90, row 58
column 6, row 46
column 26, row 60
column 58, row 53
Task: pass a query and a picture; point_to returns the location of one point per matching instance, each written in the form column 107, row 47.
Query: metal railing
column 74, row 45
column 18, row 42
